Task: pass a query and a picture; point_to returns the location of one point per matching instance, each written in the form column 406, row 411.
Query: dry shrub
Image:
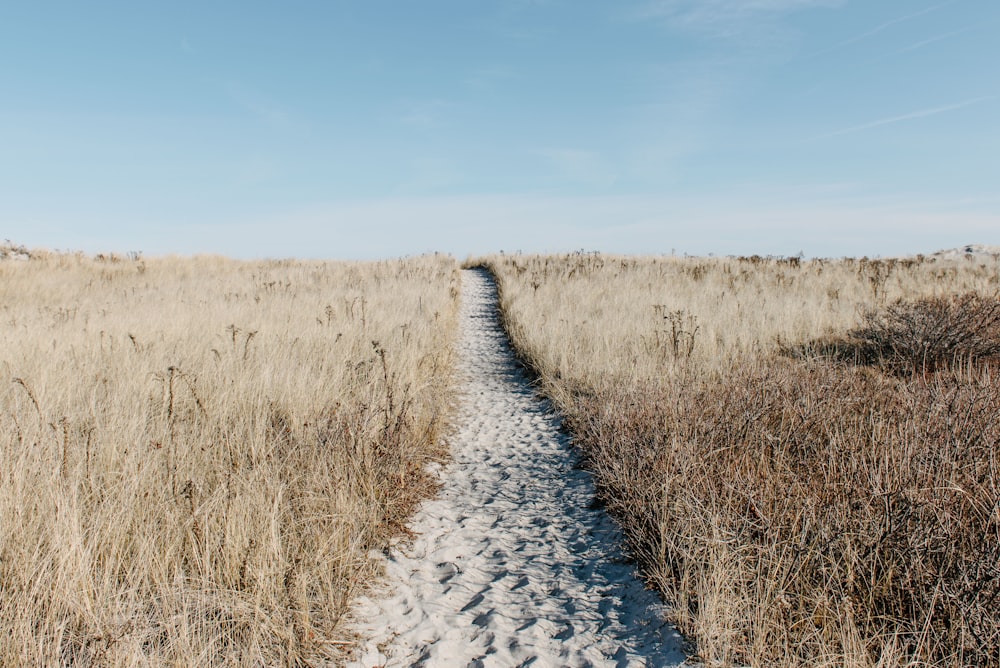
column 11, row 251
column 797, row 510
column 196, row 455
column 923, row 335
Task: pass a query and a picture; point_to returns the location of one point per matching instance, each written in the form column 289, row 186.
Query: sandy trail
column 511, row 566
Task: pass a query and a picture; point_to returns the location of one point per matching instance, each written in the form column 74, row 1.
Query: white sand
column 969, row 251
column 511, row 567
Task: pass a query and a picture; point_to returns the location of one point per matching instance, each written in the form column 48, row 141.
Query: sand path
column 511, row 566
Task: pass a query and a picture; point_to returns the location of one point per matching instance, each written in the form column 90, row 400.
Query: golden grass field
column 803, row 454
column 197, row 454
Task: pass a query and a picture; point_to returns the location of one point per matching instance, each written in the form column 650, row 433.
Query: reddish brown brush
column 803, row 455
column 810, row 511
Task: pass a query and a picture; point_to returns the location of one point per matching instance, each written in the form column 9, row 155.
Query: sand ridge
column 511, row 565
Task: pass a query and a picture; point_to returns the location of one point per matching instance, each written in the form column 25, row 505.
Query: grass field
column 196, row 455
column 803, row 454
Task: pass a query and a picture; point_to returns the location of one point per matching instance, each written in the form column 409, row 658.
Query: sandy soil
column 511, row 566
column 969, row 251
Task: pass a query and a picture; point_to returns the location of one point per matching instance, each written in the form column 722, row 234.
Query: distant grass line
column 798, row 505
column 197, row 454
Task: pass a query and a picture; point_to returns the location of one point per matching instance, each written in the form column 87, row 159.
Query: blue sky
column 364, row 129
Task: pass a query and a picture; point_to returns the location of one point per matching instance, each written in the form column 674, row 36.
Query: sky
column 359, row 129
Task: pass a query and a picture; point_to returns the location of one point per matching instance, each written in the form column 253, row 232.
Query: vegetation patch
column 197, row 455
column 835, row 506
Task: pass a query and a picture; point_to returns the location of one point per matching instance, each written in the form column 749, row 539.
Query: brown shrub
column 799, row 513
column 923, row 335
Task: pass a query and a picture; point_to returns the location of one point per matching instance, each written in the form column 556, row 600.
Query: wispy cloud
column 932, row 40
column 489, row 79
column 255, row 171
column 578, row 166
column 261, row 107
column 724, row 16
column 922, row 113
column 430, row 174
column 884, row 26
column 475, row 224
column 422, row 113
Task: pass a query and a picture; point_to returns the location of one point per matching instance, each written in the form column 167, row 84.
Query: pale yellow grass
column 196, row 455
column 797, row 507
column 607, row 319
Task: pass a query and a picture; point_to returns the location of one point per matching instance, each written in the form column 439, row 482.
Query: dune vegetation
column 197, row 455
column 803, row 454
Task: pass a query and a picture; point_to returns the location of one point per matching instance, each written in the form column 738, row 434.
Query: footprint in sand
column 528, row 573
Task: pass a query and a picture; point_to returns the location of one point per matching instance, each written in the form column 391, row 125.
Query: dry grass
column 800, row 505
column 931, row 333
column 196, row 455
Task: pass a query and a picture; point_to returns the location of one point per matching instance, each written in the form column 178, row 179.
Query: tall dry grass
column 196, row 455
column 803, row 455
